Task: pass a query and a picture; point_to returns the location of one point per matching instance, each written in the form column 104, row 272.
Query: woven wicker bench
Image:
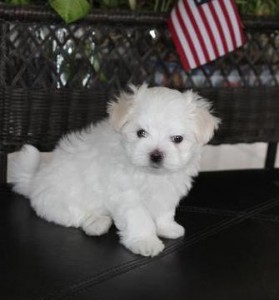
column 56, row 77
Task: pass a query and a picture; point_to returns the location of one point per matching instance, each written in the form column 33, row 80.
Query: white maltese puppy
column 130, row 169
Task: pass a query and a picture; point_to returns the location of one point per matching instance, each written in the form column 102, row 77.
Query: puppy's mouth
column 156, row 166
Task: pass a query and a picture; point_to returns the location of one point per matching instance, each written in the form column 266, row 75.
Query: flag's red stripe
column 188, row 37
column 178, row 46
column 243, row 37
column 229, row 22
column 189, row 57
column 219, row 26
column 197, row 29
column 209, row 32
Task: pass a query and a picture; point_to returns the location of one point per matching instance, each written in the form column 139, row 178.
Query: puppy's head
column 162, row 128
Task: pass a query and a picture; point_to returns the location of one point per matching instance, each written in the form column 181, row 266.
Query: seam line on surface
column 226, row 212
column 181, row 244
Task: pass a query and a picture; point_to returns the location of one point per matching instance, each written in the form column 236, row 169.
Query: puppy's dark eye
column 177, row 139
column 141, row 133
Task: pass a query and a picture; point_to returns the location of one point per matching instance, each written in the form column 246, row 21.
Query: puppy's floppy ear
column 119, row 110
column 206, row 123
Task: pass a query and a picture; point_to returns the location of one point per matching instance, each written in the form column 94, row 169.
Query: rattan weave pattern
column 108, row 50
column 40, row 117
column 56, row 77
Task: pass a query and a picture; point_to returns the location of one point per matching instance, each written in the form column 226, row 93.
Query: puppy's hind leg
column 96, row 225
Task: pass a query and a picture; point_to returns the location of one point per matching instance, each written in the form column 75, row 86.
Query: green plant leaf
column 110, row 3
column 70, row 10
column 18, row 2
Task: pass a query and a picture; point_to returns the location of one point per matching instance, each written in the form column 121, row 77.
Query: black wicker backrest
column 56, row 77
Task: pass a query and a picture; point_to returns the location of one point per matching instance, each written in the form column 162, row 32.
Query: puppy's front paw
column 97, row 226
column 170, row 230
column 148, row 246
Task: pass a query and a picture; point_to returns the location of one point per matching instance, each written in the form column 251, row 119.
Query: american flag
column 203, row 30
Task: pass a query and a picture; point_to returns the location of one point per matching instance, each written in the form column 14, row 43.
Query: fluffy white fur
column 104, row 173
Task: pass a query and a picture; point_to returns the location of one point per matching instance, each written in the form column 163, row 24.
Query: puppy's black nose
column 156, row 156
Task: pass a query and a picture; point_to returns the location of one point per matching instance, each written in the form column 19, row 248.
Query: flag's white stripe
column 182, row 39
column 224, row 24
column 203, row 30
column 214, row 28
column 235, row 23
column 189, row 26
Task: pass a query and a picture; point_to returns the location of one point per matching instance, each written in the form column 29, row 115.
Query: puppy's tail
column 23, row 168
